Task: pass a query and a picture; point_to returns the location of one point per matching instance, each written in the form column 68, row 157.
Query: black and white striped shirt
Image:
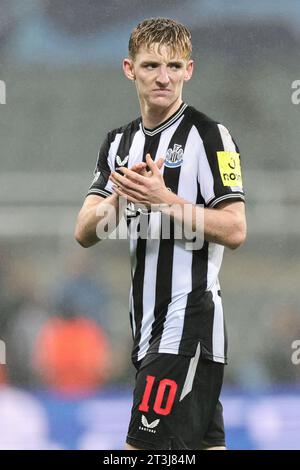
column 175, row 299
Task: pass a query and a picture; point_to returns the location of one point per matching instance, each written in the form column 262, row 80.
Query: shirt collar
column 164, row 125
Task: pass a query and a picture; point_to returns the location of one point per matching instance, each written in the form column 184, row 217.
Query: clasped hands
column 140, row 186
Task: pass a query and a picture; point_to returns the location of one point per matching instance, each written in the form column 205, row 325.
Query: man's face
column 158, row 75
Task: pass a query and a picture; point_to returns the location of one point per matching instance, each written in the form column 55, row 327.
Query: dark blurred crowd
column 63, row 339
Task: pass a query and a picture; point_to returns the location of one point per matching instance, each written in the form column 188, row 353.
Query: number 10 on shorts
column 166, row 386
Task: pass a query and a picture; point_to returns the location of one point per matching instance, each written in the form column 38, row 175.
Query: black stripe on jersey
column 212, row 141
column 138, row 288
column 225, row 336
column 225, row 332
column 163, row 293
column 198, row 322
column 125, row 143
column 150, row 146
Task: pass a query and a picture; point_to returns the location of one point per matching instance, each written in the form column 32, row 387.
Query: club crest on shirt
column 174, row 156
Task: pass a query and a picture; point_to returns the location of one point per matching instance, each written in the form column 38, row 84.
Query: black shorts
column 176, row 403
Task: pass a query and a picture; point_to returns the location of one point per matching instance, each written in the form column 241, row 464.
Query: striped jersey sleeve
column 101, row 185
column 220, row 175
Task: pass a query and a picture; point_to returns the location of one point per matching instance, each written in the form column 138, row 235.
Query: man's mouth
column 161, row 91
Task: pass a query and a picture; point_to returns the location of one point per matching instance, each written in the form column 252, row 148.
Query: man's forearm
column 98, row 221
column 225, row 227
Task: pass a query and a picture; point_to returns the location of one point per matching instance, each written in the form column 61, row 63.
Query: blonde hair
column 163, row 32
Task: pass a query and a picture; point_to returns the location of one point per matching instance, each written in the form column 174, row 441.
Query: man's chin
column 161, row 102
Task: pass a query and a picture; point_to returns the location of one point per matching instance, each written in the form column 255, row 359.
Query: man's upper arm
column 237, row 208
column 231, row 224
column 235, row 214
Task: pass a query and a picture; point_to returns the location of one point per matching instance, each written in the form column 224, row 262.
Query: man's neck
column 154, row 116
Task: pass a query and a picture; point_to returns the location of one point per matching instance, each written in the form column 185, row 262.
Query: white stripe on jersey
column 136, row 149
column 226, row 139
column 181, row 285
column 215, row 257
column 205, row 176
column 218, row 327
column 188, row 384
column 133, row 243
column 111, row 159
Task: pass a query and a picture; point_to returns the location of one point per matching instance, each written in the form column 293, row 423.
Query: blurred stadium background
column 63, row 310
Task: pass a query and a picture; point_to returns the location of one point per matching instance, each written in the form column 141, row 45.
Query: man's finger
column 132, row 175
column 125, row 182
column 139, row 167
column 123, row 195
column 141, row 170
column 151, row 164
column 131, row 195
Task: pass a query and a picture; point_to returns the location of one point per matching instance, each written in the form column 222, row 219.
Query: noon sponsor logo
column 230, row 168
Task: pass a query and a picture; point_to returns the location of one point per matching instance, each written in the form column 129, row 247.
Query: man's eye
column 150, row 66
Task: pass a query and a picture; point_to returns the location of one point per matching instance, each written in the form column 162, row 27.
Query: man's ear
column 128, row 69
column 189, row 71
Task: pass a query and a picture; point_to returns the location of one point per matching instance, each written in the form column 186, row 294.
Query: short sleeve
column 220, row 173
column 101, row 185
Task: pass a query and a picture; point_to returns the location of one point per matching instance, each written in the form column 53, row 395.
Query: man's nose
column 163, row 76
